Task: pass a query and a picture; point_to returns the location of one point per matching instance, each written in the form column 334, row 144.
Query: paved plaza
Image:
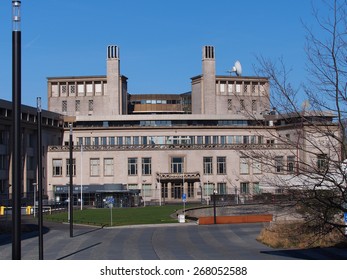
column 187, row 241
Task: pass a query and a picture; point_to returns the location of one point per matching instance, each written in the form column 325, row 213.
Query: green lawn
column 121, row 216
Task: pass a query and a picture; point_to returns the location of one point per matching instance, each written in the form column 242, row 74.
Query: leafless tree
column 305, row 156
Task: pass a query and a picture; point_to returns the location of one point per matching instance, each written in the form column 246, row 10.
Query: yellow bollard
column 28, row 210
column 2, row 210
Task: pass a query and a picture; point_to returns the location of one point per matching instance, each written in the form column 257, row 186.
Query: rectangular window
column 132, row 166
column 108, row 167
column 177, row 165
column 190, row 189
column 207, row 162
column 87, row 141
column 89, row 87
column 244, row 165
column 242, row 105
column 146, row 166
column 256, row 188
column 221, row 188
column 95, row 141
column 199, row 140
column 256, row 166
column 57, row 167
column 80, row 89
column 208, row 189
column 290, row 164
column 90, row 105
column 72, row 89
column 111, row 141
column 77, row 105
column 230, row 104
column 322, row 162
column 94, row 167
column 103, row 140
column 279, row 164
column 54, row 89
column 254, row 105
column 63, row 90
column 64, row 106
column 244, row 188
column 136, row 140
column 68, row 167
column 221, row 165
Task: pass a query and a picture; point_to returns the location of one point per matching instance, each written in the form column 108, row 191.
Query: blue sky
column 160, row 41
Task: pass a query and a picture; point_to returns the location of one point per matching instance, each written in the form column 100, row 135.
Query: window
column 77, row 105
column 221, row 165
column 244, row 165
column 103, row 140
column 256, row 166
column 147, row 190
column 64, row 106
column 322, row 162
column 242, row 104
column 90, row 105
column 63, row 90
column 146, row 166
column 68, row 167
column 254, row 105
column 87, row 141
column 207, row 162
column 72, row 89
column 208, row 189
column 222, row 188
column 132, row 166
column 177, row 165
column 230, row 104
column 190, row 189
column 80, row 89
column 256, row 188
column 108, row 166
column 94, row 167
column 279, row 164
column 290, row 164
column 57, row 167
column 111, row 140
column 244, row 188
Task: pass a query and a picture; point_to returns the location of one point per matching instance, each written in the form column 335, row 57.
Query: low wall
column 235, row 219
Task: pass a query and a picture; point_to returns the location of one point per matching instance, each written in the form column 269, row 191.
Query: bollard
column 2, row 210
column 28, row 210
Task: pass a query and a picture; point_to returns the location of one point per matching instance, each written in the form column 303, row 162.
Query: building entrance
column 177, row 191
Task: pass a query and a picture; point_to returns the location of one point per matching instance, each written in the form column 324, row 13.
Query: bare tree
column 306, row 140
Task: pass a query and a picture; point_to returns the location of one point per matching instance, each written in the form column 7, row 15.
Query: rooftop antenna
column 237, row 68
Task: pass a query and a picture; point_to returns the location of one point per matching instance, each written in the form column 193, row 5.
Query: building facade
column 146, row 149
column 52, row 134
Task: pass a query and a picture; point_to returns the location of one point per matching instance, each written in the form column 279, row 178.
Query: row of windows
column 77, row 105
column 156, row 101
column 238, row 88
column 177, row 165
column 78, row 89
column 176, row 140
column 241, row 105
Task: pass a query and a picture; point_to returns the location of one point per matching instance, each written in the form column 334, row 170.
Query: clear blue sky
column 160, row 41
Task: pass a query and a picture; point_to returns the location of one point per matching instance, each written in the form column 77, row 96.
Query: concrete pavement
column 157, row 242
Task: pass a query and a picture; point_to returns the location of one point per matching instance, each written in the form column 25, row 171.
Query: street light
column 35, row 188
column 214, row 206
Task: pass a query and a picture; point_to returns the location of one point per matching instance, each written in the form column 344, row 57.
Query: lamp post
column 214, row 206
column 39, row 176
column 35, row 188
column 71, row 182
column 16, row 128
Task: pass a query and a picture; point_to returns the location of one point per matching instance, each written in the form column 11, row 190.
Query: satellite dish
column 237, row 68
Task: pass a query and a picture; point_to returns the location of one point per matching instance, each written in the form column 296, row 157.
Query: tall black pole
column 71, row 183
column 214, row 208
column 16, row 132
column 39, row 175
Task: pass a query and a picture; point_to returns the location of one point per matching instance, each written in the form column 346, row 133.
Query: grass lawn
column 120, row 216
